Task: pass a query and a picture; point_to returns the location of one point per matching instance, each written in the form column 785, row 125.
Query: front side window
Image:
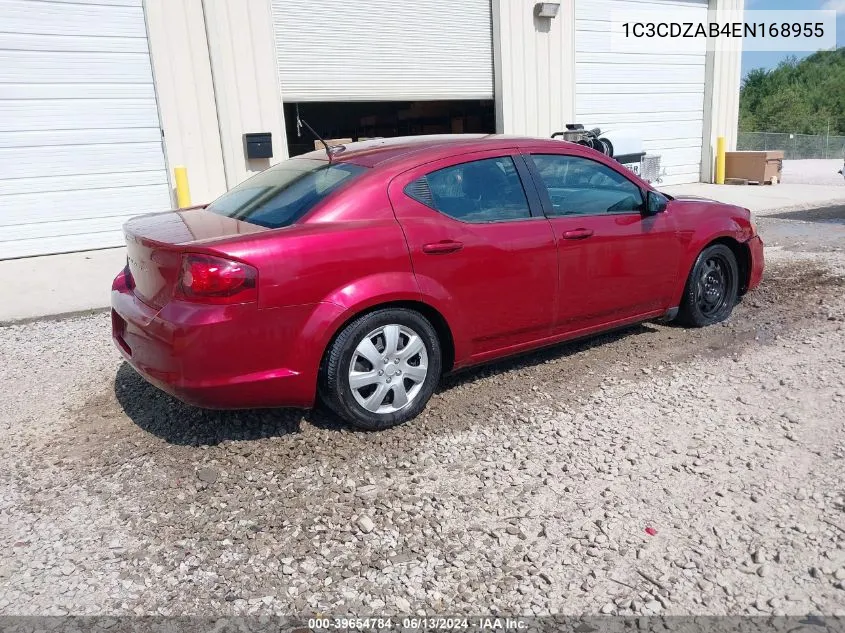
column 580, row 186
column 284, row 193
column 487, row 190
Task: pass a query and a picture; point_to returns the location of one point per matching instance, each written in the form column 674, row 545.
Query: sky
column 768, row 60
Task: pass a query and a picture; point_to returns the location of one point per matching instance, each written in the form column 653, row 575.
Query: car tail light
column 209, row 279
column 129, row 280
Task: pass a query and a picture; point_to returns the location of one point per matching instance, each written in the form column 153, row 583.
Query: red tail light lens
column 209, row 279
column 127, row 275
column 123, row 280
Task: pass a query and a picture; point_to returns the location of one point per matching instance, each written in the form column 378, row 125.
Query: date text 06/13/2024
column 418, row 623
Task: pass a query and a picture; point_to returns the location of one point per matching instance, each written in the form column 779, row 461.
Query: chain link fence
column 795, row 146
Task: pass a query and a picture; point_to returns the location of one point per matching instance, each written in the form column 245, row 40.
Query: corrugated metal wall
column 336, row 50
column 649, row 94
column 721, row 103
column 80, row 143
column 186, row 94
column 535, row 68
column 243, row 64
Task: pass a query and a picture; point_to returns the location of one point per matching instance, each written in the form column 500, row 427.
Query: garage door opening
column 362, row 120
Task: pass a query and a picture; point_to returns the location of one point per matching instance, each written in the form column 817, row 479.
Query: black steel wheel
column 712, row 287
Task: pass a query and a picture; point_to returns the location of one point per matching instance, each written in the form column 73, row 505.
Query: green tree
column 798, row 96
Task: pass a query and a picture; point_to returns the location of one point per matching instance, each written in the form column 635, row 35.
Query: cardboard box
column 760, row 167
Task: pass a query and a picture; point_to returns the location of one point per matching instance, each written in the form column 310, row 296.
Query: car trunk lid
column 155, row 244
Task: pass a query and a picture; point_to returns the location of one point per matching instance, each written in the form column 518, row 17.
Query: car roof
column 378, row 152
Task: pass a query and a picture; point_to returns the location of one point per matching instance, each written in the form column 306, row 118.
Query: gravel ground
column 655, row 470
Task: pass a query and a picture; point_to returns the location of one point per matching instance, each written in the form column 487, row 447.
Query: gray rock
column 369, row 491
column 365, row 524
column 207, row 475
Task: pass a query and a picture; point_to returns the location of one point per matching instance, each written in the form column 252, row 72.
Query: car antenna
column 300, row 122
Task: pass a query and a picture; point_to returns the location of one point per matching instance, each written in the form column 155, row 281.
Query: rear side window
column 284, row 193
column 580, row 186
column 488, row 190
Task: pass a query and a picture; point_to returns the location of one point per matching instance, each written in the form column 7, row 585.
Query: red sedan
column 364, row 275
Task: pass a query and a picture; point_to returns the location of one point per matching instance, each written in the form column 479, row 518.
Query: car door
column 479, row 241
column 615, row 261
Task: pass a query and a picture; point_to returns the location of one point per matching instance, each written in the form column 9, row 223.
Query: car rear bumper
column 216, row 357
column 755, row 247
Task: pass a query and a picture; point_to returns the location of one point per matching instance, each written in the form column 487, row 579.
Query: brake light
column 209, row 279
column 127, row 276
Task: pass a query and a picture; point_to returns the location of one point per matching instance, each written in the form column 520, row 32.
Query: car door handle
column 442, row 247
column 577, row 234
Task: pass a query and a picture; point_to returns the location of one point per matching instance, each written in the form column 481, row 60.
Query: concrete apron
column 35, row 287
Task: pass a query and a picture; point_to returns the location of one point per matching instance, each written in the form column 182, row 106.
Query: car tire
column 360, row 387
column 711, row 289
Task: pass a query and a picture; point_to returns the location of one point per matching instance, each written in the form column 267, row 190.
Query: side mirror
column 655, row 203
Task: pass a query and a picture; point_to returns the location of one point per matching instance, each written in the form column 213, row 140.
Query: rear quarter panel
column 333, row 267
column 332, row 261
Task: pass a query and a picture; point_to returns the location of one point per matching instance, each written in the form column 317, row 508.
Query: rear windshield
column 284, row 193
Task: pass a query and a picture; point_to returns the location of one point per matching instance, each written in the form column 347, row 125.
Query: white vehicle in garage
column 625, row 147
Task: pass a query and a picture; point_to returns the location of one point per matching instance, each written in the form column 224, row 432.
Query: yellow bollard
column 720, row 160
column 183, row 192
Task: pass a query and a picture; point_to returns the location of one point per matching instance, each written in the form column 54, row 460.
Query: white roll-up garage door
column 80, row 140
column 657, row 97
column 337, row 50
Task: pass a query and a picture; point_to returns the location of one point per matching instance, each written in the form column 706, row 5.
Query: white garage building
column 100, row 99
column 658, row 97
